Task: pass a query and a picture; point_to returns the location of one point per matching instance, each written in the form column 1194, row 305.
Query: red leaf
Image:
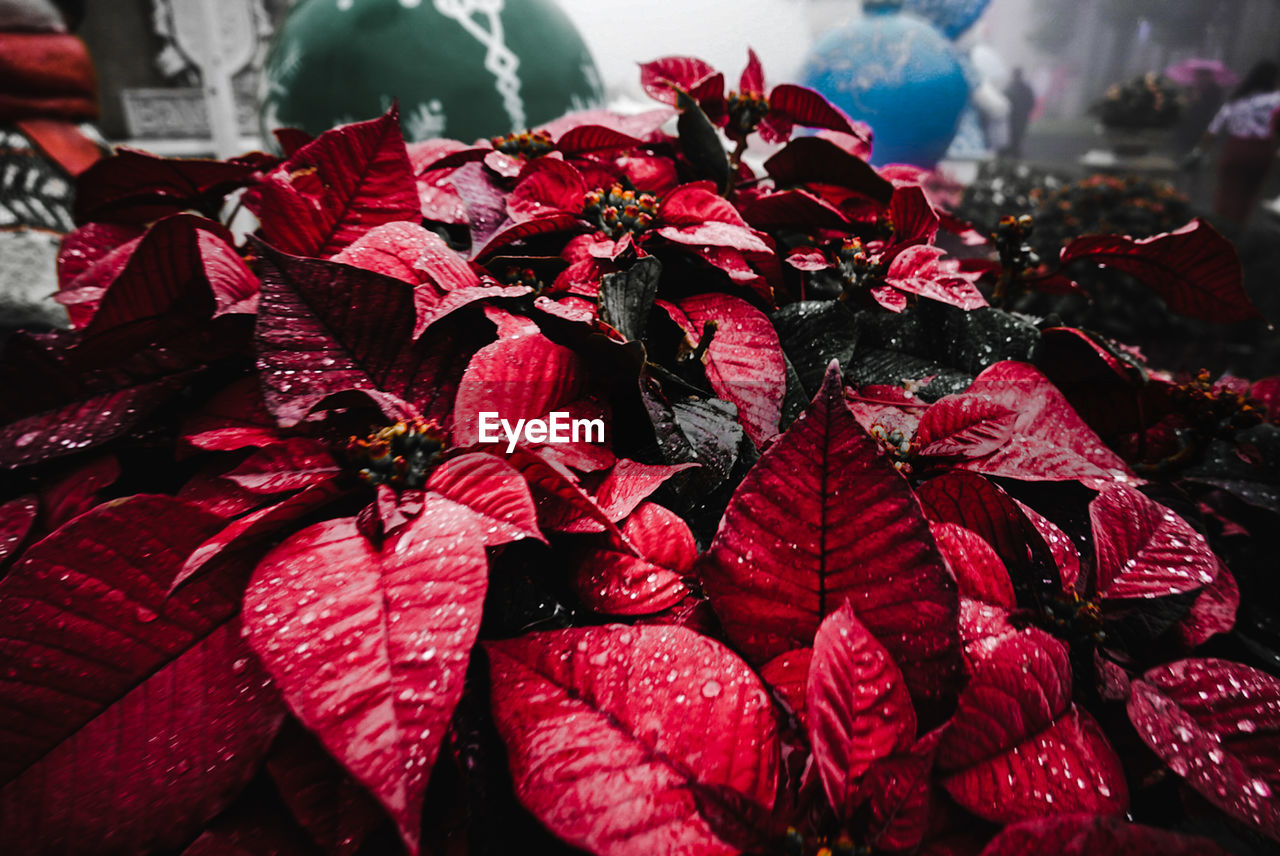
column 798, row 208
column 337, row 188
column 136, row 718
column 627, row 484
column 921, row 270
column 1194, row 269
column 494, row 491
column 138, row 187
column 413, row 254
column 788, row 674
column 974, row 563
column 1213, row 612
column 823, row 517
column 523, row 377
column 1064, row 553
column 857, row 709
column 615, row 582
column 914, row 220
column 1017, row 747
column 969, row 500
column 744, row 362
column 752, row 78
column 1144, row 549
column 899, row 792
column 17, row 516
column 235, row 418
column 292, row 463
column 173, row 270
column 529, row 229
column 964, row 425
column 1050, row 441
column 617, row 734
column 662, row 77
column 803, row 106
column 89, row 260
column 402, row 619
column 547, row 186
column 1216, row 724
column 586, row 139
column 1094, row 835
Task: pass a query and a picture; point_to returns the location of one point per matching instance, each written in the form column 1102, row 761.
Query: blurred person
column 1203, row 102
column 1247, row 122
column 48, row 92
column 1022, row 100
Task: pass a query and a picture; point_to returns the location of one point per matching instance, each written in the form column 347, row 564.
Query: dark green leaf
column 627, row 296
column 700, row 142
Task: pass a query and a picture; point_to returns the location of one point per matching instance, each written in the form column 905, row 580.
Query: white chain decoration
column 499, row 60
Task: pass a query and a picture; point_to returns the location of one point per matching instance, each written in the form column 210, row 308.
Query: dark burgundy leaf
column 334, row 809
column 136, row 187
column 89, row 260
column 815, row 160
column 137, row 717
column 17, row 516
column 325, row 328
column 1216, row 724
column 1144, row 549
column 803, row 106
column 899, row 793
column 1017, row 747
column 857, row 708
column 235, row 418
column 1094, row 835
column 289, row 464
column 1066, row 558
column 616, row 734
column 1194, row 269
column 744, row 361
column 795, row 208
column 337, row 188
column 77, row 491
column 823, row 517
column 969, row 500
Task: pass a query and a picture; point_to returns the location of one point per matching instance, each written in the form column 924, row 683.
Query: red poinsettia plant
column 847, row 557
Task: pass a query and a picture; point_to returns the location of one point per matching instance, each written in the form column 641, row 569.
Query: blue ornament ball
column 951, row 17
column 898, row 74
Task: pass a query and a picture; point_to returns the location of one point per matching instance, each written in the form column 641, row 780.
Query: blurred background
column 1090, row 114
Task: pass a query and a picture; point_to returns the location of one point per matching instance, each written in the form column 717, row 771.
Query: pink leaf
column 612, row 581
column 617, row 735
column 523, row 377
column 823, row 517
column 1194, row 269
column 403, row 618
column 337, row 188
column 857, row 709
column 1217, row 725
column 744, row 362
column 1144, row 549
column 494, row 491
column 136, row 718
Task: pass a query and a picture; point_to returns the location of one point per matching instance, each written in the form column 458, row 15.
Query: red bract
column 1018, row 747
column 409, row 613
column 1144, row 549
column 334, row 189
column 824, row 517
column 857, row 708
column 1194, row 269
column 753, row 107
column 1094, row 835
column 1216, row 724
column 613, row 581
column 138, row 717
column 619, row 737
